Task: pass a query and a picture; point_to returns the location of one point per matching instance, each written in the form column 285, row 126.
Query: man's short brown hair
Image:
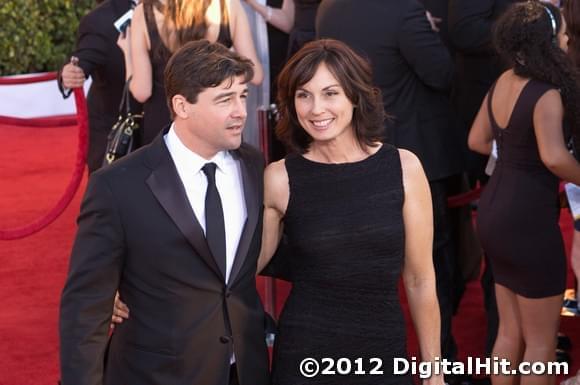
column 199, row 65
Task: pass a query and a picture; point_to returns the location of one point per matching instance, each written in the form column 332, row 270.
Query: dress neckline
column 514, row 109
column 358, row 162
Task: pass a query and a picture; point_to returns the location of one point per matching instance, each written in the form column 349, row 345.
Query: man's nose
column 240, row 109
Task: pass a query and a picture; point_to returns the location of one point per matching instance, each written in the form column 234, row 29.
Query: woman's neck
column 333, row 152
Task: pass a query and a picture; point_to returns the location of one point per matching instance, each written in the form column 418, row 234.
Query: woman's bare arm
column 140, row 66
column 481, row 136
column 281, row 18
column 242, row 38
column 418, row 271
column 276, row 195
column 548, row 118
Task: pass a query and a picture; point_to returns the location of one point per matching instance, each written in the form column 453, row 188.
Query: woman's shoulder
column 276, row 187
column 410, row 164
column 276, row 170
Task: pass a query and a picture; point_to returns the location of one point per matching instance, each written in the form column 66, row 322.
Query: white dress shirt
column 229, row 184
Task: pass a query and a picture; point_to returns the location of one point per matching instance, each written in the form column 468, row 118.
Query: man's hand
column 120, row 312
column 72, row 76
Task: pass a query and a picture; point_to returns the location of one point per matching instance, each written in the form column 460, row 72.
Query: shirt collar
column 186, row 158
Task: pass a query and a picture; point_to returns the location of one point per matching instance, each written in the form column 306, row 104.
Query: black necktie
column 215, row 231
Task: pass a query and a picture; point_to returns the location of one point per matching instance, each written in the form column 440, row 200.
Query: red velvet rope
column 77, row 176
column 465, row 198
column 53, row 121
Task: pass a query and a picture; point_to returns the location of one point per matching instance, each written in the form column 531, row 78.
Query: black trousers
column 444, row 255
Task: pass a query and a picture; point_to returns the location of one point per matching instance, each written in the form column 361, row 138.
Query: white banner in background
column 35, row 100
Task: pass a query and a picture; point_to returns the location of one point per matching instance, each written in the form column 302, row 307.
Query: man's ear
column 179, row 104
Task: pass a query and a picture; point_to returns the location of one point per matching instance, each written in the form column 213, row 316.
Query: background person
column 160, row 27
column 98, row 57
column 518, row 210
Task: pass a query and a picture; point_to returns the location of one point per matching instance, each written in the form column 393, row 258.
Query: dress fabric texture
column 344, row 224
column 519, row 208
column 156, row 112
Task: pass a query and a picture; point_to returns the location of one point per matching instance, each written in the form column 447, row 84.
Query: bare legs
column 509, row 341
column 527, row 332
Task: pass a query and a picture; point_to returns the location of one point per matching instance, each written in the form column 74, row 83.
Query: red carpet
column 35, row 166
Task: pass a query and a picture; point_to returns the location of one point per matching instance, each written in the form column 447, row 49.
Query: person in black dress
column 357, row 214
column 98, row 57
column 518, row 211
column 154, row 39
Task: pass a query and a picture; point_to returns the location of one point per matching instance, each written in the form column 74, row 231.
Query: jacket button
column 228, row 293
column 225, row 339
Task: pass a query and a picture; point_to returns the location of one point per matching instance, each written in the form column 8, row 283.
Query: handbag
column 121, row 138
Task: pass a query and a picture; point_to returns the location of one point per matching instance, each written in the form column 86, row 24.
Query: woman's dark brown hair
column 354, row 75
column 525, row 37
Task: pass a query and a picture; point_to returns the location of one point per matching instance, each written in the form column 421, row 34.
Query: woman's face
column 322, row 107
column 563, row 37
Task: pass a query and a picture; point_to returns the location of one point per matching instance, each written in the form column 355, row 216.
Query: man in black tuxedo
column 413, row 69
column 175, row 227
column 99, row 57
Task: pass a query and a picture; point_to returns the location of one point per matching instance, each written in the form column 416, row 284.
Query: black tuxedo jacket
column 101, row 58
column 138, row 233
column 413, row 69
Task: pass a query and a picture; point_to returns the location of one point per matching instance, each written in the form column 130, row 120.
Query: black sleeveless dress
column 344, row 224
column 519, row 209
column 156, row 112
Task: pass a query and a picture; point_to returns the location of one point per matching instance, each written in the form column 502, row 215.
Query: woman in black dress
column 518, row 211
column 357, row 214
column 159, row 28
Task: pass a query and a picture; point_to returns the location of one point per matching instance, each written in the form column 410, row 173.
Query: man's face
column 216, row 121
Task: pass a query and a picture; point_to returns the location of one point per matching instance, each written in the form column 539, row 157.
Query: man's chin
column 234, row 143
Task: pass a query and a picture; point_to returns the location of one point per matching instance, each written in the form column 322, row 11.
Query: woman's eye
column 301, row 95
column 331, row 93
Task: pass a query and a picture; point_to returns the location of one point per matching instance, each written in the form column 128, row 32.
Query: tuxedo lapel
column 251, row 196
column 168, row 189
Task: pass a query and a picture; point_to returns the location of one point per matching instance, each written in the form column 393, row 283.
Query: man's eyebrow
column 228, row 94
column 223, row 95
